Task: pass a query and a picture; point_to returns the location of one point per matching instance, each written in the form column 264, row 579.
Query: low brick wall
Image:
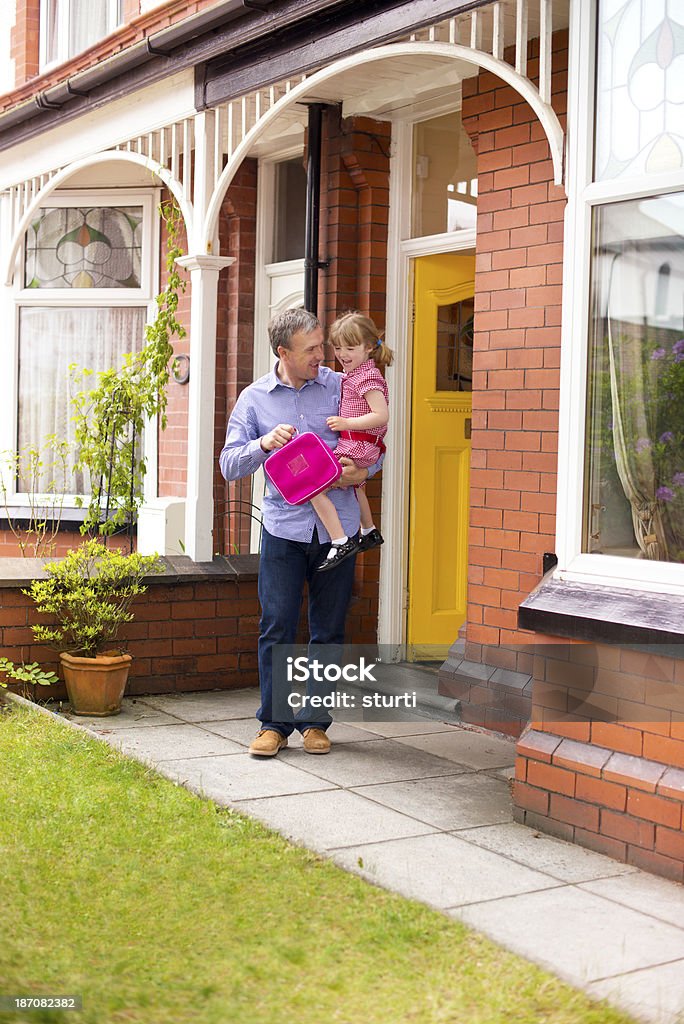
column 602, row 762
column 196, row 628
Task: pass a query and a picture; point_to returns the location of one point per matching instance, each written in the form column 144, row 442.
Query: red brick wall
column 25, row 40
column 602, row 763
column 68, row 537
column 354, row 218
column 516, row 355
column 186, row 636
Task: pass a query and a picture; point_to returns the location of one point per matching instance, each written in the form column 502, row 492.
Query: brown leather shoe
column 316, row 741
column 267, row 743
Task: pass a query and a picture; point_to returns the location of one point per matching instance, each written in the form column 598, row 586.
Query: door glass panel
column 290, row 220
column 455, row 346
column 444, row 177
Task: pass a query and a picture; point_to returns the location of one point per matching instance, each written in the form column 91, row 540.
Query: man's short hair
column 284, row 326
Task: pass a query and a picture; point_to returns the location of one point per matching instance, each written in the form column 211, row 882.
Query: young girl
column 361, row 424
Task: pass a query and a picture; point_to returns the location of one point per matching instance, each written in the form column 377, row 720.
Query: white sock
column 338, row 542
column 365, row 530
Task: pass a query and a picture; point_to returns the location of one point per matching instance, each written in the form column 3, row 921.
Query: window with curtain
column 635, row 451
column 50, row 341
column 68, row 27
column 634, row 461
column 87, row 286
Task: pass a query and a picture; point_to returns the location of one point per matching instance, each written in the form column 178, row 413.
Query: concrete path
column 423, row 808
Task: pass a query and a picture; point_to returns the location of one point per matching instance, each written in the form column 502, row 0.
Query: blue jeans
column 284, row 567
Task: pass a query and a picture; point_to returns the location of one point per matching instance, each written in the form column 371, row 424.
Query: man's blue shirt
column 261, row 407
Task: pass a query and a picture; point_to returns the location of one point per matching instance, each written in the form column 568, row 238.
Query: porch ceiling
column 382, row 90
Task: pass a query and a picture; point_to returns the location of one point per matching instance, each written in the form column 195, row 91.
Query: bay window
column 623, row 318
column 89, row 277
column 69, row 26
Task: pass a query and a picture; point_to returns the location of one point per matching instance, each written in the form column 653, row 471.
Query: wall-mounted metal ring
column 180, row 369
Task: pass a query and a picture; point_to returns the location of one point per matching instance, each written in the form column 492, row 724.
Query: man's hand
column 277, row 438
column 337, row 423
column 352, row 475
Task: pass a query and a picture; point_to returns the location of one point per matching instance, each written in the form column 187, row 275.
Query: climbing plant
column 111, row 416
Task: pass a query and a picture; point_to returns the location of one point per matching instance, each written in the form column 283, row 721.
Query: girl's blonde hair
column 354, row 329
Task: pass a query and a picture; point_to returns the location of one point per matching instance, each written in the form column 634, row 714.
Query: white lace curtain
column 50, row 341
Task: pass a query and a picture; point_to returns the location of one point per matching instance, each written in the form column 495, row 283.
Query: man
column 299, row 393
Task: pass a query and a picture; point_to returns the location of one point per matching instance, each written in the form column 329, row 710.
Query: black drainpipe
column 312, row 264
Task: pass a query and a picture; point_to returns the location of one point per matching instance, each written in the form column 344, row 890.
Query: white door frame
column 265, row 272
column 401, row 251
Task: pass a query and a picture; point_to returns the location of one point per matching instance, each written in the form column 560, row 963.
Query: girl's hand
column 337, row 423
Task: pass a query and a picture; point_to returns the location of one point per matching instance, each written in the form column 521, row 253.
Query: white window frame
column 114, row 19
column 143, row 297
column 583, row 196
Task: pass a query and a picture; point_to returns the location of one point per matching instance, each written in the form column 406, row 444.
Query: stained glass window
column 640, row 88
column 80, row 247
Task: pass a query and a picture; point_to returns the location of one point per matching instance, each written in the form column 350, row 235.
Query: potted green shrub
column 88, row 594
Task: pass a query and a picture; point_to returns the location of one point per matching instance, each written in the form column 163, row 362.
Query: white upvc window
column 68, row 27
column 84, row 290
column 621, row 443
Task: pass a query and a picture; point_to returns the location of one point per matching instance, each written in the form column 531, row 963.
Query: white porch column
column 199, row 510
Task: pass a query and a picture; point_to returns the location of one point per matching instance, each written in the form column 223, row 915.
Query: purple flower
column 664, row 494
column 667, row 436
column 678, row 479
column 642, row 444
column 678, row 347
column 658, row 353
column 679, row 358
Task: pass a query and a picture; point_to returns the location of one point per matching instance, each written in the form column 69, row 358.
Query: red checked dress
column 365, row 377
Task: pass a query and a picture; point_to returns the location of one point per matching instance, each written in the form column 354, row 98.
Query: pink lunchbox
column 302, row 469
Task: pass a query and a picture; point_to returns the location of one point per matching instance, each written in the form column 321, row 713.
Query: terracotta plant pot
column 96, row 685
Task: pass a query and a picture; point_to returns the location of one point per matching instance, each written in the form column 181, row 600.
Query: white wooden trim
column 395, row 471
column 575, row 310
column 447, row 241
column 619, row 189
column 624, row 573
column 473, row 58
column 264, row 248
column 204, row 272
column 401, row 251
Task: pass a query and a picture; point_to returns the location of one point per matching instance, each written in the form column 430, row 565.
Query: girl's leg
column 342, row 546
column 327, row 513
column 365, row 509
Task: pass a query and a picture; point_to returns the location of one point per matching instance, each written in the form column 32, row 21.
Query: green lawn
column 157, row 906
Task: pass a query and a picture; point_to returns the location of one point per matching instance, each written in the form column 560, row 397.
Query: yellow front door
column 440, row 452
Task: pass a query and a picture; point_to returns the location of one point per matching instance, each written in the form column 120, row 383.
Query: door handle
column 468, row 428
